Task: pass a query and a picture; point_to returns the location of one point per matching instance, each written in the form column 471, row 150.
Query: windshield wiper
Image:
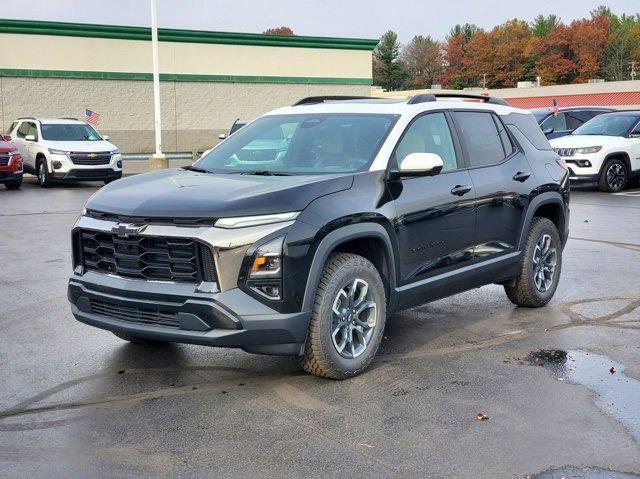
column 265, row 173
column 196, row 169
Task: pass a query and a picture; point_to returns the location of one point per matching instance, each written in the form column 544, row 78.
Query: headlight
column 115, row 152
column 244, row 221
column 267, row 260
column 587, row 150
column 265, row 273
column 53, row 151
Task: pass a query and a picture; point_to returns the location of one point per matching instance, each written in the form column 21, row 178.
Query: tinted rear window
column 527, row 124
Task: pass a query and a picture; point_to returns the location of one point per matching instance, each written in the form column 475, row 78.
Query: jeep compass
column 369, row 207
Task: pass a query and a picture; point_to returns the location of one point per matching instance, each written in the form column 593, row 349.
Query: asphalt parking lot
column 78, row 402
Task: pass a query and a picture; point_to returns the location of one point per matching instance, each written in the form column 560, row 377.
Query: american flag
column 91, row 116
column 554, row 110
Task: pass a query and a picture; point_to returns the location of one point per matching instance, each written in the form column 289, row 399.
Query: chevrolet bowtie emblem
column 92, row 155
column 125, row 230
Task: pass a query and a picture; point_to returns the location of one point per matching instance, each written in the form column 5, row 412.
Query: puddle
column 616, row 393
column 583, row 473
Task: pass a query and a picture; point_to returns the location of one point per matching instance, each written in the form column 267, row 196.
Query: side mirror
column 420, row 164
column 548, row 131
column 30, row 138
column 221, row 136
column 105, row 137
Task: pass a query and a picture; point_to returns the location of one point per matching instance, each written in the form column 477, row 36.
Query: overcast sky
column 343, row 18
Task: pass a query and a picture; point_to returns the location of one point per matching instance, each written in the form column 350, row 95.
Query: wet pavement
column 78, row 402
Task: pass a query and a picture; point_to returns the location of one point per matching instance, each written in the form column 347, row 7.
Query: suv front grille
column 86, row 158
column 135, row 315
column 4, row 160
column 182, row 260
column 565, row 151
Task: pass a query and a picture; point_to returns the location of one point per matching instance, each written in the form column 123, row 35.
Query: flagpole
column 158, row 161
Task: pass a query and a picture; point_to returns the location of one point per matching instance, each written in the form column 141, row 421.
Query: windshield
column 608, row 125
column 69, row 132
column 301, row 144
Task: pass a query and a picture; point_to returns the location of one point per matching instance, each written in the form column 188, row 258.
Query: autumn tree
column 278, row 31
column 423, row 60
column 455, row 74
column 389, row 70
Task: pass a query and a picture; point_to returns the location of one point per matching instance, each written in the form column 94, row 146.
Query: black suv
column 371, row 206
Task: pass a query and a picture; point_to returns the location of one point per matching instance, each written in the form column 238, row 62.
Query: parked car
column 605, row 150
column 567, row 119
column 375, row 207
column 65, row 149
column 10, row 164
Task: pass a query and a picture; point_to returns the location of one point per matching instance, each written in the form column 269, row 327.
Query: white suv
column 606, row 149
column 65, row 149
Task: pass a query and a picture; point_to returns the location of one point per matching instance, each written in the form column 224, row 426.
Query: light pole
column 158, row 161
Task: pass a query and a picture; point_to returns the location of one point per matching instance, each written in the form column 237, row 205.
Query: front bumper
column 7, row 175
column 88, row 174
column 227, row 319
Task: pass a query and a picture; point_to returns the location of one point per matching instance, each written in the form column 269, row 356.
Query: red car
column 10, row 164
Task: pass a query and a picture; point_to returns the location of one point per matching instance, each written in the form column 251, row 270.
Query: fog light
column 56, row 165
column 272, row 292
column 583, row 163
column 119, row 163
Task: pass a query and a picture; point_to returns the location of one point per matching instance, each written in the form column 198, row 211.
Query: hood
column 578, row 141
column 188, row 194
column 6, row 147
column 88, row 146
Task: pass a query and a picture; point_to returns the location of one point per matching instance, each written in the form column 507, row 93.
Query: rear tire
column 614, row 176
column 136, row 339
column 348, row 318
column 13, row 185
column 42, row 172
column 540, row 266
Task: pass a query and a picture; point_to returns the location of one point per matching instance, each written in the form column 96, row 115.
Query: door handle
column 521, row 176
column 460, row 190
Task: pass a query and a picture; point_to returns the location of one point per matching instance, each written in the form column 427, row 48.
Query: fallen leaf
column 612, row 370
column 364, row 444
column 481, row 416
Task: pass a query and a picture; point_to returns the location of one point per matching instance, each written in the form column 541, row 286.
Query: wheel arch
column 39, row 157
column 370, row 240
column 548, row 205
column 618, row 155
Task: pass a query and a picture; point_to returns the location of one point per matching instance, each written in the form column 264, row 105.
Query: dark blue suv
column 566, row 120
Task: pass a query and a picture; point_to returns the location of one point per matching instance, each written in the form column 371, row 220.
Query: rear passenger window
column 576, row 118
column 482, row 138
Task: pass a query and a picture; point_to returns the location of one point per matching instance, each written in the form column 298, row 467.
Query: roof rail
column 69, row 118
column 485, row 98
column 29, row 118
column 310, row 100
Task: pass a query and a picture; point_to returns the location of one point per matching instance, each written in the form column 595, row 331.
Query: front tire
column 540, row 266
column 614, row 176
column 136, row 339
column 348, row 318
column 44, row 177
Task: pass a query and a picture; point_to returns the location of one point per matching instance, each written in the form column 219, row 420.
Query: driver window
column 429, row 134
column 558, row 123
